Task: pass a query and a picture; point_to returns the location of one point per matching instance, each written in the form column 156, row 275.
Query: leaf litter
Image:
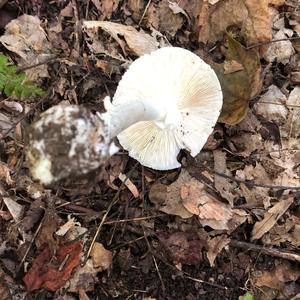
column 241, row 187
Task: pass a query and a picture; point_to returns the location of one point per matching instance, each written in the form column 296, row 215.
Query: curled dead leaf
column 138, row 41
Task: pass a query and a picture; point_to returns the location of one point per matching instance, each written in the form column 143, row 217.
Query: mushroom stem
column 120, row 117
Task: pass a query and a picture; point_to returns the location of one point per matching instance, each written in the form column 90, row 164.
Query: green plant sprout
column 15, row 83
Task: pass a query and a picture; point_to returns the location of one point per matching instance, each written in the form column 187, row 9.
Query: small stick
column 267, row 251
column 273, row 41
column 29, row 247
column 112, row 203
column 251, row 183
column 52, row 58
column 143, row 15
column 133, row 219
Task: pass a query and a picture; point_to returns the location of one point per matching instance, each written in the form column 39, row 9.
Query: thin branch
column 112, row 203
column 143, row 15
column 267, row 251
column 273, row 41
column 250, row 183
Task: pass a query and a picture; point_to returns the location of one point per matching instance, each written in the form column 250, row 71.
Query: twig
column 29, row 247
column 143, row 15
column 111, row 204
column 250, row 183
column 273, row 41
column 132, row 220
column 268, row 251
column 48, row 60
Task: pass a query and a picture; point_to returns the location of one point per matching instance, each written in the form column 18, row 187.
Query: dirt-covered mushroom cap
column 187, row 97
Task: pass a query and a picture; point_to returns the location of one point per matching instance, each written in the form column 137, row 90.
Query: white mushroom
column 168, row 100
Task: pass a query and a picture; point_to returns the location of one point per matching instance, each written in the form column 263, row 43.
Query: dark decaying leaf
column 238, row 87
column 45, row 271
column 183, row 247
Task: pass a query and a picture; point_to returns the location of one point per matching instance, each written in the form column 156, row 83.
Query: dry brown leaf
column 102, row 258
column 215, row 246
column 182, row 247
column 106, row 7
column 276, row 279
column 138, row 41
column 271, row 106
column 167, row 198
column 83, row 278
column 15, row 209
column 199, row 202
column 161, row 16
column 270, row 218
column 255, row 18
column 222, row 185
column 63, row 229
column 232, row 66
column 25, row 37
column 5, row 174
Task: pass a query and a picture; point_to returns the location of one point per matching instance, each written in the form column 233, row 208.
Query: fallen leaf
column 275, row 279
column 5, row 174
column 52, row 274
column 222, row 184
column 138, row 42
column 161, row 16
column 199, row 202
column 45, row 237
column 281, row 51
column 167, row 198
column 270, row 218
column 183, row 248
column 25, row 37
column 63, row 229
column 84, row 278
column 215, row 246
column 106, row 7
column 232, row 66
column 255, row 18
column 271, row 106
column 15, row 209
column 33, row 214
column 238, row 87
column 102, row 258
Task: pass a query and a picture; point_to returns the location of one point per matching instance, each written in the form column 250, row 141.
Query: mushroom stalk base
column 120, row 117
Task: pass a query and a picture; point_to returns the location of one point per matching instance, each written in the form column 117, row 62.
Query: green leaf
column 12, row 82
column 248, row 296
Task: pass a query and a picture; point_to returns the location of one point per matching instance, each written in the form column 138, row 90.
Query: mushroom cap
column 189, row 90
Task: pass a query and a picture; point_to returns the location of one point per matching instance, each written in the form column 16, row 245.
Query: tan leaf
column 167, row 198
column 102, row 258
column 5, row 174
column 138, row 41
column 25, row 37
column 270, row 218
column 15, row 209
column 232, row 66
column 215, row 246
column 255, row 18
